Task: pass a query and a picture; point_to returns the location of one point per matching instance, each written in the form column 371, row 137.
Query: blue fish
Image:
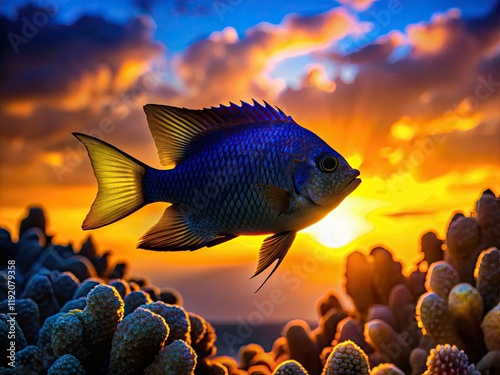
column 239, row 170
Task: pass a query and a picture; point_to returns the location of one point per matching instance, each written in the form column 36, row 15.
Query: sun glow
column 347, row 223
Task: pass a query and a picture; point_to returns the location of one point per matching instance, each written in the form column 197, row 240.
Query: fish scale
column 239, row 170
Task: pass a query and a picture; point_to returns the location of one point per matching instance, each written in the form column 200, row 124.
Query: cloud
column 224, row 67
column 89, row 76
column 70, row 66
column 448, row 83
column 359, row 5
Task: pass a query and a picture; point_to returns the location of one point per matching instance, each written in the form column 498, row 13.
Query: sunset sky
column 407, row 91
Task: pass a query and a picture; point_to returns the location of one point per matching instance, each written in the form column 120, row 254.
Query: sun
column 346, row 223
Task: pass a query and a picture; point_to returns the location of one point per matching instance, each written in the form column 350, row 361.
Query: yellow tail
column 119, row 178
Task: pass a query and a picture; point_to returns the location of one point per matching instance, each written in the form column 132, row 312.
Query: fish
column 234, row 170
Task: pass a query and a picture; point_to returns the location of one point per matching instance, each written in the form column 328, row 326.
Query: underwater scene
column 243, row 187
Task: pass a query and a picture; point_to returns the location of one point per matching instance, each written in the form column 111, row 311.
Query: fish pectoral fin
column 273, row 247
column 277, row 197
column 173, row 232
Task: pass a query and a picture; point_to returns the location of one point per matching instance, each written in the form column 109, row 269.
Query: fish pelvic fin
column 273, row 248
column 177, row 231
column 120, row 183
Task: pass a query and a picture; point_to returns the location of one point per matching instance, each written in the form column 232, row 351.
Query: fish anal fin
column 277, row 197
column 174, row 232
column 273, row 248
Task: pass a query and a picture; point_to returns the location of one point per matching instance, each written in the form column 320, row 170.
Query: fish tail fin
column 120, row 183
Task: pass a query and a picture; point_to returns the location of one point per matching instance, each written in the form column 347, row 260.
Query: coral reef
column 78, row 312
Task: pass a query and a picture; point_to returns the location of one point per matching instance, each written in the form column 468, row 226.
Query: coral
column 290, row 367
column 435, row 320
column 170, row 296
column 491, row 361
column 153, row 291
column 64, row 287
column 416, row 283
column 34, row 219
column 488, row 277
column 8, row 249
column 28, row 252
column 358, row 275
column 198, row 327
column 119, row 271
column 326, row 303
column 328, row 323
column 27, row 317
column 67, row 336
column 74, row 304
column 384, row 313
column 177, row 319
column 79, row 266
column 418, row 359
column 388, row 344
column 86, row 286
column 349, row 329
column 39, row 289
column 30, row 361
column 347, row 358
column 386, row 273
column 463, row 241
column 139, row 337
column 135, row 299
column 447, row 359
column 491, row 328
column 101, row 316
column 178, row 358
column 488, row 217
column 66, row 365
column 441, row 277
column 45, row 338
column 386, row 369
column 121, row 286
column 301, row 347
column 466, row 309
column 206, row 346
column 88, row 249
column 432, row 247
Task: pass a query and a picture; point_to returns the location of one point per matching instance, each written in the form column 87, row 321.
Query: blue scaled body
column 236, row 170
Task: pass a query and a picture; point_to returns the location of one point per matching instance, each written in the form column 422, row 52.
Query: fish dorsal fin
column 174, row 128
column 273, row 247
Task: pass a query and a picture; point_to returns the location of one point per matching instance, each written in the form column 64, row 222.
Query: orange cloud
column 223, row 67
column 360, row 5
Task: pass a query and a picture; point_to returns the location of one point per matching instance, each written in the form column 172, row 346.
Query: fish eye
column 327, row 163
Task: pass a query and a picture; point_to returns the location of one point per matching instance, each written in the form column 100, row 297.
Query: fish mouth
column 348, row 187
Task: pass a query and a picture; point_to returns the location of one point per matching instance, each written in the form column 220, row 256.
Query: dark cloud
column 70, row 66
